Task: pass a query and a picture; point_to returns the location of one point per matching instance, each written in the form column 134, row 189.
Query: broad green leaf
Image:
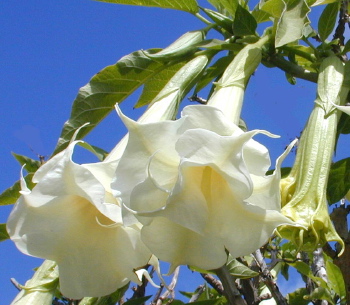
column 338, row 181
column 3, row 232
column 344, row 124
column 244, row 23
column 155, row 84
column 297, row 297
column 30, row 165
column 10, row 195
column 183, row 46
column 190, row 6
column 335, row 279
column 137, row 301
column 110, row 86
column 260, row 16
column 229, row 6
column 320, row 2
column 239, row 270
column 292, row 22
column 273, row 7
column 327, row 20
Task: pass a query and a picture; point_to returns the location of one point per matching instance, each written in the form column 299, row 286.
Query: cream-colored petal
column 93, row 260
column 173, row 243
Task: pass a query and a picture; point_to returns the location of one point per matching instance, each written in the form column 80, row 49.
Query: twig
column 268, row 279
column 198, row 292
column 170, row 291
column 318, row 269
column 343, row 20
column 213, row 282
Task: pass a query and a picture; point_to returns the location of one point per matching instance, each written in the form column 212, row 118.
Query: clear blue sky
column 49, row 49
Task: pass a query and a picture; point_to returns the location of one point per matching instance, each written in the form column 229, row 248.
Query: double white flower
column 198, row 186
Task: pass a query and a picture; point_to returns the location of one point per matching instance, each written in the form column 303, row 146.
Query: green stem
column 291, row 68
column 230, row 290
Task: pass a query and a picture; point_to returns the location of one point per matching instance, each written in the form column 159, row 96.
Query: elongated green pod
column 184, row 45
column 303, row 191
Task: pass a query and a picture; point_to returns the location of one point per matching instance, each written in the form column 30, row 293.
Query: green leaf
column 344, row 124
column 292, row 22
column 335, row 279
column 327, row 20
column 273, row 7
column 100, row 153
column 220, row 19
column 30, row 165
column 137, row 301
column 338, row 181
column 183, row 46
column 3, row 232
column 297, row 297
column 244, row 23
column 190, row 6
column 110, row 86
column 239, row 270
column 346, row 47
column 228, row 5
column 157, row 83
column 217, row 44
column 106, row 300
column 213, row 71
column 10, row 195
column 320, row 293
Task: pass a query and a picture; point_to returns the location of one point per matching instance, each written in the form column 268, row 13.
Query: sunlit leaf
column 190, row 6
column 273, row 7
column 110, row 86
column 156, row 83
column 244, row 23
column 338, row 181
column 335, row 279
column 220, row 19
column 327, row 20
column 3, row 232
column 293, row 20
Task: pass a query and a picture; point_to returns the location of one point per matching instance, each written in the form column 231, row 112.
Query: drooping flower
column 71, row 218
column 198, row 186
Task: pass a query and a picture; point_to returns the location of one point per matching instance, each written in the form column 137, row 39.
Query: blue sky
column 49, row 49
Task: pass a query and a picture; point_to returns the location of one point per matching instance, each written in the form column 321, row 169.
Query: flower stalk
column 303, row 191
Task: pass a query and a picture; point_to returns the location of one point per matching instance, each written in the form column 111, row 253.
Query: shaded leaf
column 297, row 297
column 190, row 6
column 327, row 20
column 137, row 301
column 30, row 165
column 292, row 22
column 10, row 195
column 207, row 302
column 100, row 153
column 239, row 270
column 3, row 232
column 110, row 86
column 214, row 71
column 106, row 300
column 338, row 181
column 244, row 23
